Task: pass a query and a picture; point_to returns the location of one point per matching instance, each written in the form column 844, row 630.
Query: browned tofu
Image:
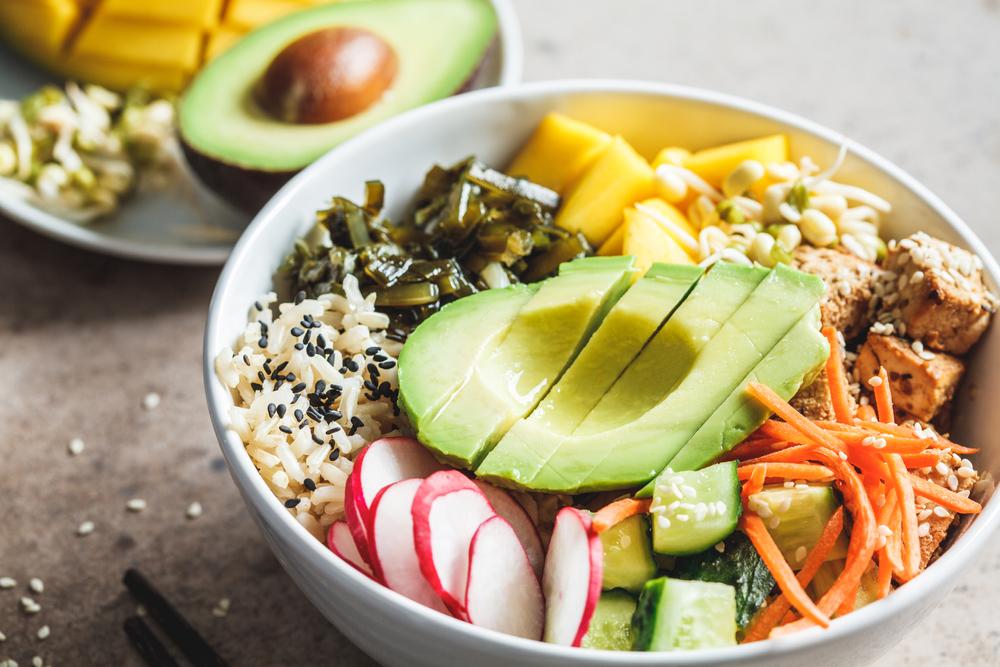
column 954, row 473
column 934, row 292
column 922, row 382
column 814, row 400
column 850, row 285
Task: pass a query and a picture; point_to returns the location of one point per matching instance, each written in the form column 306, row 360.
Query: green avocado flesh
column 435, row 57
column 679, row 395
column 508, row 381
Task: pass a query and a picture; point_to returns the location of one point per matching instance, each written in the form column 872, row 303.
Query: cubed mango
column 672, row 221
column 560, row 149
column 615, row 243
column 37, row 28
column 140, row 43
column 197, row 13
column 648, row 242
column 714, row 164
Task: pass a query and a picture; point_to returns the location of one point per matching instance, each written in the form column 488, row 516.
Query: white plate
column 188, row 224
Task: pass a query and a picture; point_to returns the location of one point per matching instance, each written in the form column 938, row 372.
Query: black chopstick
column 146, row 644
column 174, row 625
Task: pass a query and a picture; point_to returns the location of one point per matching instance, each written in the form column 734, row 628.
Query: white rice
column 350, row 327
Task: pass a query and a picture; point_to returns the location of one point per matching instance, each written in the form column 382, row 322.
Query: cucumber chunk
column 673, row 614
column 796, row 516
column 628, row 555
column 828, row 573
column 611, row 625
column 695, row 509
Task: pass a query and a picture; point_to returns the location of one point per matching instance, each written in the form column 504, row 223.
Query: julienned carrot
column 772, row 615
column 755, row 482
column 618, row 511
column 866, row 413
column 780, row 407
column 942, row 496
column 755, row 529
column 847, row 606
column 936, row 441
column 908, row 511
column 793, row 454
column 883, row 398
column 920, row 460
column 836, row 378
column 884, row 575
column 888, row 516
column 806, row 471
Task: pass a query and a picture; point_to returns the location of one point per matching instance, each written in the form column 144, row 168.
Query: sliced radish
column 518, row 518
column 503, row 592
column 572, row 580
column 447, row 510
column 394, row 556
column 355, row 523
column 340, row 541
column 385, row 461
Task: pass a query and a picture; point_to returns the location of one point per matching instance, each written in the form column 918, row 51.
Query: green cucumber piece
column 628, row 554
column 695, row 509
column 828, row 573
column 673, row 614
column 796, row 516
column 611, row 625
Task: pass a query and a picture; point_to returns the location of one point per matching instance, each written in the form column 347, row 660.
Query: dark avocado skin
column 249, row 189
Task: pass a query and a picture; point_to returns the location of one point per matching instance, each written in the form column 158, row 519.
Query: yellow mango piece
column 37, row 28
column 248, row 14
column 594, row 204
column 672, row 221
column 197, row 13
column 614, row 244
column 671, row 155
column 559, row 151
column 714, row 164
column 134, row 42
column 648, row 242
column 121, row 76
column 221, row 40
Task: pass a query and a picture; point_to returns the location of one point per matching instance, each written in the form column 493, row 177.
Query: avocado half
column 246, row 153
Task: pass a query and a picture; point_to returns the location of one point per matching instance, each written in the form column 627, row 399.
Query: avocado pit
column 326, row 76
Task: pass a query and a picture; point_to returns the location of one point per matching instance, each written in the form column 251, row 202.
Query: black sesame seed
column 296, row 397
column 263, row 326
column 282, row 409
column 385, row 388
column 310, row 350
column 335, row 454
column 298, row 415
column 309, row 484
column 290, row 377
column 277, row 385
column 318, row 440
column 374, row 349
column 296, row 331
column 285, row 429
column 267, row 367
column 299, row 388
column 331, row 431
column 370, row 386
column 334, row 415
column 372, row 370
column 307, row 337
column 261, row 376
column 386, row 365
column 256, row 304
column 246, row 360
column 262, row 342
column 256, row 386
column 300, row 347
column 320, row 340
column 280, row 367
column 303, row 424
column 356, row 421
column 379, row 357
column 300, row 297
column 292, row 502
column 271, row 409
column 320, row 386
column 351, row 365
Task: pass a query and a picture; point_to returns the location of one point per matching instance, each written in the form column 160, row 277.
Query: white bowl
column 492, row 124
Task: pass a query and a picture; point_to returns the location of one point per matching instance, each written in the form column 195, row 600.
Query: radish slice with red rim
column 503, row 592
column 340, row 541
column 447, row 510
column 518, row 518
column 572, row 578
column 355, row 523
column 385, row 461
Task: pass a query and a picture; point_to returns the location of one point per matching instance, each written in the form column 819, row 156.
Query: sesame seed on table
column 95, row 339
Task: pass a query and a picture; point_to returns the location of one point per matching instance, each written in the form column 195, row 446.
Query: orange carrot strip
column 884, row 577
column 883, row 398
column 920, row 460
column 781, row 407
column 806, row 471
column 866, row 413
column 883, row 443
column 936, row 442
column 794, row 454
column 836, row 378
column 754, row 527
column 755, row 482
column 908, row 511
column 618, row 511
column 847, row 606
column 772, row 615
column 942, row 496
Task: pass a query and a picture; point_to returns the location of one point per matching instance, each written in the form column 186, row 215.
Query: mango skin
column 560, row 149
column 616, row 180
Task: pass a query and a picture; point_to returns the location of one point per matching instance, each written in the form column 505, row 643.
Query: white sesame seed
column 941, row 512
column 36, row 584
column 76, row 446
column 923, row 515
column 942, row 468
column 3, row 637
column 789, row 484
column 923, row 529
column 953, row 482
column 193, row 510
column 689, row 491
column 224, row 603
column 135, row 505
column 965, row 473
column 966, row 463
column 916, row 277
column 773, row 522
column 7, row 582
column 43, row 632
column 801, row 486
column 140, row 610
column 842, row 455
column 926, row 355
column 37, row 661
column 875, row 381
column 884, row 530
column 881, row 542
column 663, row 522
column 682, row 517
column 85, row 528
column 917, row 346
column 720, row 507
column 151, row 400
column 800, row 554
column 30, row 606
column 785, row 504
column 965, row 493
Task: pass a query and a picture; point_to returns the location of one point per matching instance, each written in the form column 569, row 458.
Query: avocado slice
column 645, row 382
column 786, row 368
column 544, row 338
column 246, row 153
column 439, row 353
column 615, row 343
column 636, row 451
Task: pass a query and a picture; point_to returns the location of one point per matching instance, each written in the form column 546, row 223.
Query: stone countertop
column 86, row 337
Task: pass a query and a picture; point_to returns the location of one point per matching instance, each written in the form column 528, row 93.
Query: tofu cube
column 922, row 382
column 951, row 472
column 850, row 287
column 934, row 292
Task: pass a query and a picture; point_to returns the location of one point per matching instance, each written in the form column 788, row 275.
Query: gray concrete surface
column 85, row 337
